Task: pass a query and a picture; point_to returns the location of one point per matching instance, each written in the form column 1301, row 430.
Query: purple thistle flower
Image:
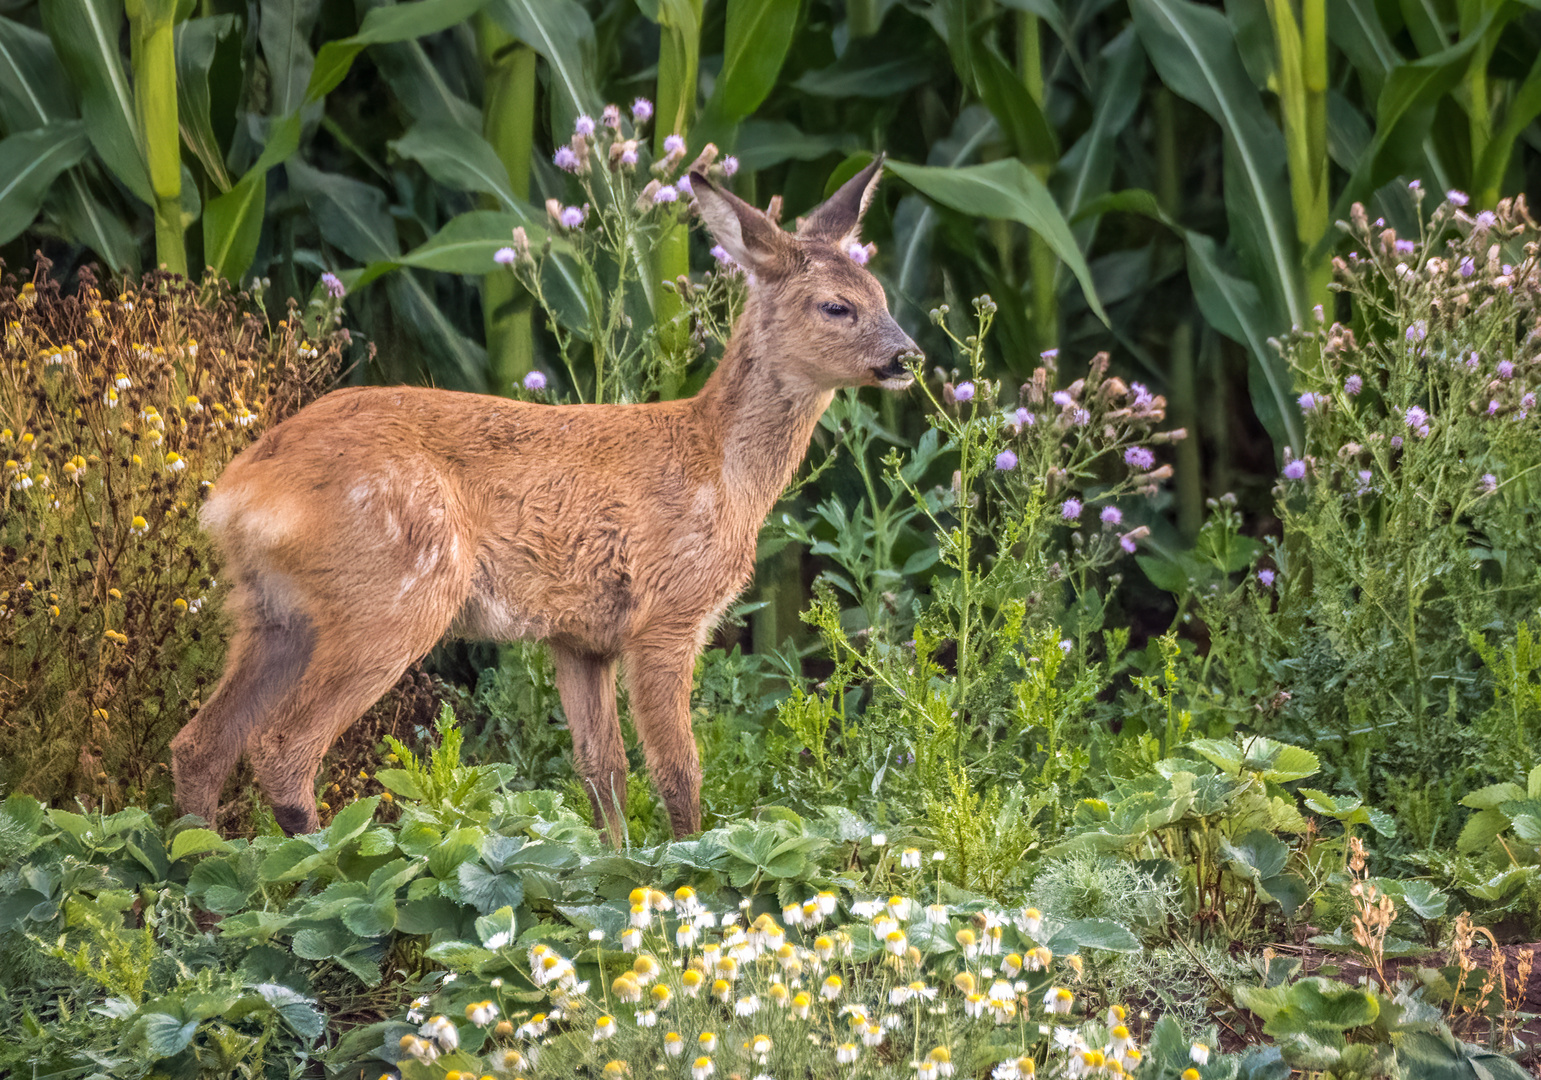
column 857, row 253
column 1493, row 407
column 1308, row 402
column 1468, row 267
column 720, row 253
column 1415, row 185
column 1473, row 361
column 674, row 144
column 1048, row 356
column 1139, row 457
column 1396, row 442
column 729, row 165
column 1353, row 385
column 1070, row 509
column 1265, row 578
column 334, row 286
column 535, row 380
column 1128, row 543
column 1457, row 198
column 641, row 110
column 683, row 183
column 1081, row 417
column 1506, row 369
column 629, row 156
column 1528, row 402
column 1415, row 417
column 611, row 117
column 565, row 159
column 1005, row 461
column 505, row 256
column 964, row 391
column 1487, row 219
column 1066, row 646
column 1405, row 247
column 1489, row 483
column 1063, row 399
column 584, row 125
column 1365, row 476
column 1111, row 515
column 665, row 194
column 572, row 216
column 1417, row 331
column 1025, row 418
column 1295, row 470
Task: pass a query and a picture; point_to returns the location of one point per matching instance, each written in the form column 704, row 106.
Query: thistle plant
column 1044, row 500
column 116, row 417
column 593, row 273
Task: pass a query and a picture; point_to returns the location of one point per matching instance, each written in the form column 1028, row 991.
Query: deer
column 377, row 520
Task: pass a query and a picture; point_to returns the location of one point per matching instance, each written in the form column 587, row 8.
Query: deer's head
column 815, row 312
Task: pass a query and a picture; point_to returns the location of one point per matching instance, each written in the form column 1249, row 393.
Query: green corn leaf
column 85, row 34
column 232, row 223
column 29, row 164
column 458, row 159
column 1086, row 170
column 384, row 25
column 34, row 90
column 420, row 86
column 1028, row 131
column 1194, row 51
column 283, row 29
column 351, row 214
column 883, row 80
column 1004, row 189
column 758, row 35
column 1524, row 106
column 763, row 143
column 561, row 32
column 196, row 41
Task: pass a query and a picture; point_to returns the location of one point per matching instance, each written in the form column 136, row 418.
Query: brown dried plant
column 1374, row 912
column 1494, row 990
column 116, row 416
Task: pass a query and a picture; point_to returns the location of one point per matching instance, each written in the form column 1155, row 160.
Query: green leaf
column 283, row 29
column 562, row 33
column 384, row 25
column 166, row 1035
column 1257, row 855
column 1004, row 189
column 1493, row 796
column 297, row 1010
column 232, row 223
column 1194, row 51
column 30, row 162
column 1426, row 900
column 487, row 891
column 1031, row 136
column 1480, row 830
column 763, row 143
column 217, row 886
column 351, row 214
column 1086, row 170
column 1324, row 1009
column 34, row 91
column 460, row 955
column 196, row 40
column 757, row 37
column 85, row 34
column 325, row 942
column 458, row 847
column 1102, row 934
column 459, row 159
column 197, row 842
column 888, row 79
column 399, row 781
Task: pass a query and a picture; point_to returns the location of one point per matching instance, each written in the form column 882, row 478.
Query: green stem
column 1043, row 265
column 153, row 56
column 679, row 50
column 861, row 17
column 508, row 122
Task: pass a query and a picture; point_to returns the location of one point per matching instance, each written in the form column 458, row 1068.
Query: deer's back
column 592, row 523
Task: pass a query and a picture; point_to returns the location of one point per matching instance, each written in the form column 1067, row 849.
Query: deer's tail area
column 340, row 582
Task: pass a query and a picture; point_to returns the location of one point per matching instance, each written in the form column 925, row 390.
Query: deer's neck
column 761, row 419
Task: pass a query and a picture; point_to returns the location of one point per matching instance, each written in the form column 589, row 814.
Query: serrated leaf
column 487, row 891
column 1480, row 830
column 460, row 955
column 197, row 842
column 166, row 1035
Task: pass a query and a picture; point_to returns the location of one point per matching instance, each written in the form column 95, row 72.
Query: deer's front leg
column 659, row 680
column 586, row 682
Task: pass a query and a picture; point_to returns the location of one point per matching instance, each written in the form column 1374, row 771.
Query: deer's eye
column 834, row 310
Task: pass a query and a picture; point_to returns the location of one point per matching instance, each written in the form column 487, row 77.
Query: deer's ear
column 838, row 219
column 754, row 242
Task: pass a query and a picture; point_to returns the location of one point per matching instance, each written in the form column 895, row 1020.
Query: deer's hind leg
column 357, row 657
column 586, row 682
column 266, row 658
column 658, row 680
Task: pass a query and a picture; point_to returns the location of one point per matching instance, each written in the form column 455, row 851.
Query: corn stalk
column 508, row 123
column 679, row 53
column 154, row 63
column 1302, row 90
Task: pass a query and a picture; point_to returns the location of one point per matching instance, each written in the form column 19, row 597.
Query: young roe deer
column 379, row 519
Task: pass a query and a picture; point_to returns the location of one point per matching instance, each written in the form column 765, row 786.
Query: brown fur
column 370, row 524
